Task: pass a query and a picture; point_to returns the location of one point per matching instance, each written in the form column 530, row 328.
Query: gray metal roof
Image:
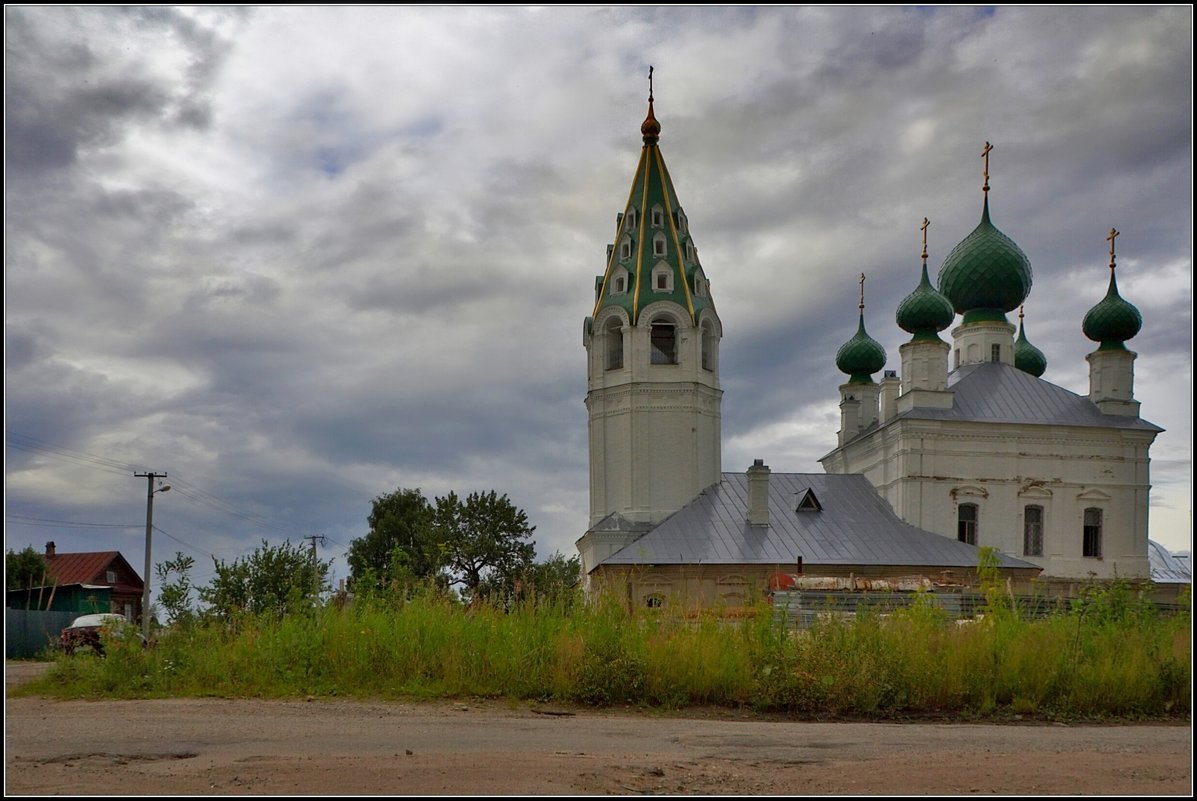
column 1000, row 393
column 855, row 527
column 1166, row 568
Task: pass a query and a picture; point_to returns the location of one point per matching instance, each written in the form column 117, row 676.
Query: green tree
column 25, row 569
column 274, row 578
column 400, row 546
column 174, row 596
column 486, row 542
column 553, row 581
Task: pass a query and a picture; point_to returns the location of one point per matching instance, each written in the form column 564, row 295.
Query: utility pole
column 149, row 533
column 315, row 563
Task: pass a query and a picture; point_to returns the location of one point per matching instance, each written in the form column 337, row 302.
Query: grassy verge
column 1102, row 658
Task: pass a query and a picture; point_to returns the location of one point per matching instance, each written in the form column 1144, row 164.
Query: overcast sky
column 297, row 258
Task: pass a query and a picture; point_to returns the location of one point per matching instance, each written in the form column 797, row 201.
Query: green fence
column 27, row 631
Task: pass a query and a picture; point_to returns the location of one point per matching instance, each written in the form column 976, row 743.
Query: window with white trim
column 659, row 245
column 1091, row 533
column 966, row 523
column 1032, row 531
column 658, row 217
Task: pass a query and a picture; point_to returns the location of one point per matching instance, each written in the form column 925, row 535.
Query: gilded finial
column 650, row 128
column 1113, row 235
column 925, row 225
column 862, row 279
column 1020, row 314
column 985, row 155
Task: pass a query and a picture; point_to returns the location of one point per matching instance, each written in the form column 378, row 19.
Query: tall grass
column 1106, row 656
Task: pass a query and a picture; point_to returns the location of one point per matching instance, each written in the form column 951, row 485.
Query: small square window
column 110, row 576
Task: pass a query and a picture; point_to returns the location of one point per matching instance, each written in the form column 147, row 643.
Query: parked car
column 85, row 632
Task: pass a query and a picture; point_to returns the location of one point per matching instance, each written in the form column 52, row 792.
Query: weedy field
column 1108, row 654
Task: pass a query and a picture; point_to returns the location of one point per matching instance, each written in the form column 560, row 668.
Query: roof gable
column 92, row 568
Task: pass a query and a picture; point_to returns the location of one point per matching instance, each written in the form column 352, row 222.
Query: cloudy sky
column 297, row 258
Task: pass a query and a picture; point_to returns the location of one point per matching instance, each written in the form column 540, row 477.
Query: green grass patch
column 1103, row 657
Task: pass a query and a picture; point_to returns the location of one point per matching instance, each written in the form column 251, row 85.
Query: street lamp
column 149, row 532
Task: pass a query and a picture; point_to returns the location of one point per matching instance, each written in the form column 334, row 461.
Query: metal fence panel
column 29, row 631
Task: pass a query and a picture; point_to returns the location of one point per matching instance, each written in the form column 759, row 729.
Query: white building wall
column 927, row 468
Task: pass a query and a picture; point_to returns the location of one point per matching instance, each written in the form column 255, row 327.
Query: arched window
column 966, row 523
column 630, row 221
column 654, row 601
column 659, row 244
column 625, row 248
column 614, row 336
column 663, row 338
column 1032, row 531
column 1091, row 546
column 708, row 346
column 662, row 278
column 658, row 217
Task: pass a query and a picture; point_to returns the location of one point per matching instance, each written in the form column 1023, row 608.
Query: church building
column 988, row 452
column 664, row 520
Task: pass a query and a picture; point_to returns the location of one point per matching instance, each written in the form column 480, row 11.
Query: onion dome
column 1027, row 357
column 925, row 312
column 860, row 356
column 986, row 275
column 1114, row 320
column 650, row 129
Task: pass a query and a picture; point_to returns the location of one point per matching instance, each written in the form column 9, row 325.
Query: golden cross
column 862, row 292
column 650, row 83
column 1113, row 235
column 926, row 223
column 1020, row 308
column 985, row 155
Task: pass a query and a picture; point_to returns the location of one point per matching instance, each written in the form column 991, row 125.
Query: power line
column 26, row 520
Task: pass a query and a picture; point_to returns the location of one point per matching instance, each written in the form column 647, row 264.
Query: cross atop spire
column 985, row 155
column 926, row 224
column 1113, row 235
column 1020, row 314
column 862, row 280
column 650, row 129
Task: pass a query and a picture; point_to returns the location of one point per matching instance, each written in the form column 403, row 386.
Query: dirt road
column 206, row 746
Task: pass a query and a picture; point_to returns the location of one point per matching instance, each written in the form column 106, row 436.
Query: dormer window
column 658, row 217
column 659, row 245
column 619, row 281
column 630, row 221
column 681, row 221
column 625, row 248
column 805, row 501
column 662, row 278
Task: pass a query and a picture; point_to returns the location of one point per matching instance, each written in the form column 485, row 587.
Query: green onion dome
column 1027, row 357
column 925, row 312
column 1112, row 321
column 860, row 356
column 986, row 275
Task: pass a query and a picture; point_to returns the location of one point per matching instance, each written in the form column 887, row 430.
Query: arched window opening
column 1092, row 533
column 708, row 347
column 966, row 523
column 654, row 601
column 625, row 248
column 631, row 220
column 614, row 336
column 658, row 217
column 1032, row 531
column 663, row 338
column 659, row 245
